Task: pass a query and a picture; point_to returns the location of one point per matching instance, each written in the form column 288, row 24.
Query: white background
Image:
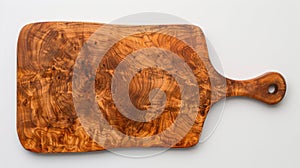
column 250, row 37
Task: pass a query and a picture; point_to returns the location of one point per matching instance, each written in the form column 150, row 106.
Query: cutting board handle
column 268, row 88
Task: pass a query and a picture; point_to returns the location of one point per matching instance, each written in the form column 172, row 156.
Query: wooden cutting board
column 88, row 86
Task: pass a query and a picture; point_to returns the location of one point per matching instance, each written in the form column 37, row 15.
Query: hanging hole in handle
column 272, row 89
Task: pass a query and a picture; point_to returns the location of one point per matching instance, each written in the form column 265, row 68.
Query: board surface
column 65, row 85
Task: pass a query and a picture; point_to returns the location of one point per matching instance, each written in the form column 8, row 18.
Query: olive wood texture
column 48, row 121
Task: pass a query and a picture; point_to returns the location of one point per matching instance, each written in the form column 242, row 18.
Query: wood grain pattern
column 48, row 121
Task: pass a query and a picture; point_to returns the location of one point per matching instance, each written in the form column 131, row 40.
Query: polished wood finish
column 47, row 52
